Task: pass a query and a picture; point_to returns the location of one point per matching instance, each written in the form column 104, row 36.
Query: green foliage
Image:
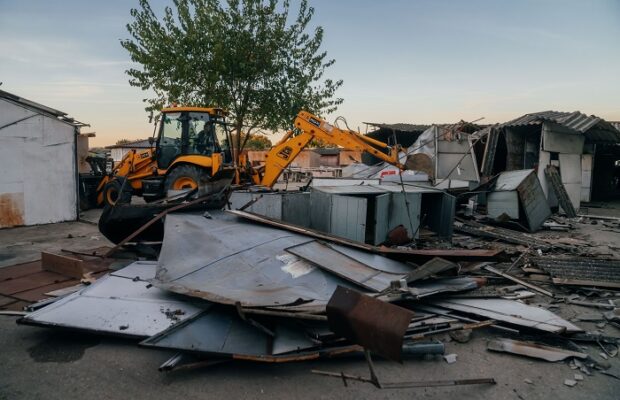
column 122, row 141
column 257, row 142
column 248, row 56
column 319, row 144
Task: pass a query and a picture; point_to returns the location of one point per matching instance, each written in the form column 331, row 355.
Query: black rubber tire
column 199, row 175
column 112, row 194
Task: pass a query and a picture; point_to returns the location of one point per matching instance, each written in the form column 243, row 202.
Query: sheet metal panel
column 296, row 208
column 558, row 139
column 439, row 211
column 382, row 209
column 511, row 180
column 512, row 312
column 503, row 203
column 345, row 267
column 228, row 260
column 268, row 204
column 586, row 176
column 372, row 260
column 46, row 184
column 320, row 182
column 533, row 202
column 320, row 210
column 570, row 170
column 400, row 214
column 348, row 217
column 118, row 304
column 221, row 332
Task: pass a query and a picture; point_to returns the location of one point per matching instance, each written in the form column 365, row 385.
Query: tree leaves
column 247, row 56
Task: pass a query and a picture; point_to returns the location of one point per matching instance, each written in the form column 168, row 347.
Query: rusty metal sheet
column 374, row 324
column 11, row 209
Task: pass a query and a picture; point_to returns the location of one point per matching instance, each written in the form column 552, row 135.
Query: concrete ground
column 25, row 244
column 39, row 363
column 42, row 363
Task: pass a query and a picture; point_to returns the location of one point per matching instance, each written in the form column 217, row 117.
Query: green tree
column 247, row 56
column 257, row 142
column 122, row 141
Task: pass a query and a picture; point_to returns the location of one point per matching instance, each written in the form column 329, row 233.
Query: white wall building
column 38, row 163
column 118, row 151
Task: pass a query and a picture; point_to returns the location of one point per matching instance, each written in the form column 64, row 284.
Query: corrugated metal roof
column 40, row 108
column 595, row 129
column 400, row 126
column 136, row 144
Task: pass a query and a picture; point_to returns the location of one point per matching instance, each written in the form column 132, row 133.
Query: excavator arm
column 312, row 127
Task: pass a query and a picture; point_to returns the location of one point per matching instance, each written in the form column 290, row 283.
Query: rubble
column 362, row 268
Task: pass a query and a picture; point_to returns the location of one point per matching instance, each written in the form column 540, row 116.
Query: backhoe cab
column 191, row 151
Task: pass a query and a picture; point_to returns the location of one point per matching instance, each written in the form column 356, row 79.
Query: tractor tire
column 186, row 177
column 114, row 193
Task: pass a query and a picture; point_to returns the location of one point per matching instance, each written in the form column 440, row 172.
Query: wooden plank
column 4, row 301
column 519, row 281
column 68, row 266
column 29, row 282
column 582, row 282
column 37, row 294
column 19, row 270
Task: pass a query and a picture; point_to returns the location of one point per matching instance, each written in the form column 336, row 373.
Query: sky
column 406, row 61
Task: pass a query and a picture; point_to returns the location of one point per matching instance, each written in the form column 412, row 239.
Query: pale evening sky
column 401, row 61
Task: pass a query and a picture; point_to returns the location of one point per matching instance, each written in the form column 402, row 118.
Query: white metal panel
column 382, row 209
column 44, row 174
column 348, row 217
column 586, row 176
column 10, row 113
column 456, row 166
column 319, row 182
column 399, row 215
column 560, row 140
column 570, row 170
column 500, row 203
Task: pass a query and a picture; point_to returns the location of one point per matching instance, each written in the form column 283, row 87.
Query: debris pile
column 234, row 285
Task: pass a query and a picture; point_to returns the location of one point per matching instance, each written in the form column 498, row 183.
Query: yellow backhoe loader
column 311, row 127
column 191, row 151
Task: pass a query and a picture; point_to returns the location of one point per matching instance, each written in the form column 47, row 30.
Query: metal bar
column 463, row 255
column 520, row 282
column 311, row 317
column 402, row 385
column 458, row 327
column 81, row 253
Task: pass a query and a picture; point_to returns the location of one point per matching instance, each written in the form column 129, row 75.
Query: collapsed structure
column 379, row 262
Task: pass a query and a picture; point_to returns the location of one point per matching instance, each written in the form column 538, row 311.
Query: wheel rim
column 111, row 196
column 184, row 182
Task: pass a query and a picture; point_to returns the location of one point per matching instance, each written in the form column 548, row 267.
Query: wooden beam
column 63, row 265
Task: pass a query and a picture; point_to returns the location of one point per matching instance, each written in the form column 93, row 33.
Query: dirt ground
column 39, row 363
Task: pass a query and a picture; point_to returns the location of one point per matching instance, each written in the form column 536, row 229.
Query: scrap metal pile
column 233, row 285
